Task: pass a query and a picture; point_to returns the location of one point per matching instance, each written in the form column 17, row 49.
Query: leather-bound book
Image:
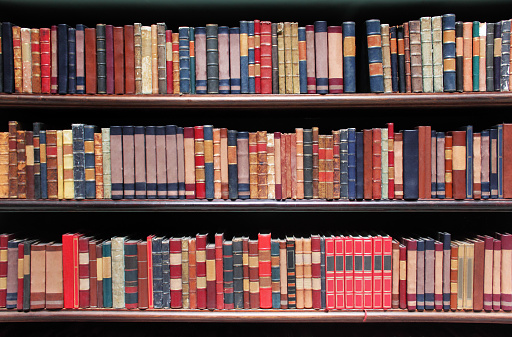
column 62, row 59
column 438, row 276
column 381, row 272
column 348, row 274
column 128, row 161
column 107, row 176
column 4, row 243
column 8, row 59
column 161, row 160
column 209, row 161
column 395, row 267
column 257, row 57
column 223, row 58
column 475, row 179
column 416, row 63
column 394, row 57
column 154, row 59
column 45, row 59
column 109, row 53
column 150, row 179
column 67, row 155
column 137, row 51
column 91, row 84
column 254, row 283
column 489, row 56
column 219, row 271
column 118, row 272
column 476, row 55
column 368, row 163
column 53, row 294
column 12, row 274
column 83, row 271
column 242, row 164
column 448, row 153
column 315, row 145
column 316, row 272
column 234, row 59
column 459, row 164
column 180, row 162
column 125, row 34
column 161, row 58
column 426, row 53
column 166, row 276
column 349, row 57
column 410, row 164
column 420, row 275
column 353, row 163
column 142, row 276
column 411, row 261
column 487, row 272
column 285, row 164
column 29, row 168
column 271, row 168
column 368, row 270
column 291, row 276
column 453, row 277
column 283, row 273
column 107, row 274
column 376, row 164
column 13, row 159
column 156, row 251
column 359, row 164
column 482, row 66
column 99, row 274
column 401, row 57
column 507, row 160
column 321, row 57
column 171, row 161
column 485, row 164
column 403, row 276
column 168, row 61
column 288, row 55
column 335, row 59
column 119, row 59
column 251, row 59
column 358, row 254
column 130, row 274
column 78, row 132
column 148, row 272
column 98, row 166
column 449, row 52
column 375, row 55
column 340, row 164
column 70, row 267
column 201, row 243
column 232, row 164
column 339, row 272
column 330, row 278
column 238, row 274
column 299, row 152
column 175, row 273
column 308, row 286
column 321, row 167
column 459, row 56
column 505, row 55
column 190, row 180
column 469, row 275
column 37, row 126
column 467, row 34
column 261, row 140
column 51, row 164
column 27, row 267
column 37, row 283
column 278, row 166
column 275, row 275
column 93, row 274
column 212, row 58
column 493, row 154
column 54, row 64
column 22, row 164
column 440, row 188
column 200, row 188
column 264, row 270
column 407, row 58
column 228, row 275
column 19, row 279
column 192, row 47
column 429, row 274
column 71, row 61
column 506, row 288
column 210, row 278
column 275, row 60
column 265, row 77
column 101, row 58
column 4, row 165
column 384, row 158
column 308, row 163
column 60, row 165
column 437, row 53
column 253, row 165
column 184, row 60
column 36, row 60
column 224, row 164
column 496, row 276
column 175, row 63
column 386, row 57
column 146, row 61
column 90, row 179
column 445, row 239
column 425, row 161
column 391, row 160
column 461, row 266
column 329, row 167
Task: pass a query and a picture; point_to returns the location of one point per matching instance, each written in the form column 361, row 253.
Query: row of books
column 256, row 57
column 438, row 53
column 203, row 162
column 316, row 272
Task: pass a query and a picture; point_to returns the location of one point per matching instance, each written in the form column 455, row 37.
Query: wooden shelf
column 254, row 316
column 426, row 100
column 253, row 206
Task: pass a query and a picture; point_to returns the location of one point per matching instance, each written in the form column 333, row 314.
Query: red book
column 391, row 161
column 403, row 277
column 358, row 272
column 266, row 59
column 257, row 56
column 21, row 255
column 201, row 270
column 506, row 268
column 175, row 273
column 70, row 270
column 54, row 86
column 4, row 239
column 398, row 166
column 149, row 272
column 349, row 272
column 339, row 273
column 142, row 275
column 458, row 164
column 367, row 164
column 90, row 61
column 265, row 271
column 284, row 166
column 330, row 299
column 119, row 60
column 219, row 271
column 376, row 164
column 377, row 271
column 199, row 162
column 387, row 272
column 496, row 279
column 448, row 166
column 129, row 60
column 316, row 271
column 211, row 292
column 109, row 43
column 367, row 272
column 254, row 279
column 168, row 61
column 83, row 271
column 329, row 167
column 44, row 41
column 507, row 160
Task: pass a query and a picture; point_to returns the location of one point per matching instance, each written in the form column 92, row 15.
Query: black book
column 62, row 58
column 71, row 60
column 290, row 267
column 212, row 58
column 459, row 59
column 411, row 164
column 101, row 59
column 238, row 273
column 8, row 58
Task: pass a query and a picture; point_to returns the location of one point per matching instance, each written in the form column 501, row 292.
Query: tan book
column 107, row 177
column 288, row 66
column 4, row 165
column 280, row 57
column 137, row 46
column 261, row 139
column 216, row 164
column 26, row 60
column 154, row 59
column 299, row 143
column 162, row 57
column 118, row 279
column 253, row 165
column 98, row 165
column 18, row 65
column 67, row 162
column 184, row 273
column 426, row 54
column 308, row 276
column 468, row 276
column 496, row 276
column 437, row 53
column 460, row 274
column 60, row 165
column 295, row 57
column 299, row 272
column 147, row 70
column 36, row 61
column 175, row 63
column 277, row 162
column 283, row 274
column 395, row 286
column 386, row 57
column 224, row 165
column 37, row 276
column 54, row 286
column 271, row 170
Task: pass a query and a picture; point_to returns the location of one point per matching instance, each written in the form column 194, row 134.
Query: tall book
column 275, row 274
column 79, row 160
column 184, row 60
column 321, row 57
column 416, row 60
column 253, row 260
column 201, row 243
column 375, row 56
column 437, row 53
column 212, row 58
column 386, row 57
column 234, row 60
column 330, row 278
column 449, row 52
column 244, row 57
column 489, row 57
column 349, row 56
column 265, row 271
column 131, row 274
column 505, row 55
column 302, row 63
column 394, row 58
column 224, row 77
column 335, row 58
column 219, row 271
column 426, row 54
column 176, row 290
column 238, row 275
column 290, row 266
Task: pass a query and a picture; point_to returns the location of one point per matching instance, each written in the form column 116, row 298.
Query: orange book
column 329, row 167
column 98, row 164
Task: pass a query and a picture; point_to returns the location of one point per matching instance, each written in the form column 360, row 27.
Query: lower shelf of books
column 254, row 316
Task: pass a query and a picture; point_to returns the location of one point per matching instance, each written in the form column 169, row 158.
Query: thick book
column 375, row 55
column 118, row 272
column 349, row 57
column 416, row 62
column 265, row 271
column 223, row 58
column 17, row 55
column 63, row 58
column 420, row 274
column 496, row 275
column 275, row 274
column 232, row 164
column 238, row 275
column 410, row 164
column 321, row 57
column 254, row 284
column 210, row 277
column 266, row 57
column 161, row 174
column 107, row 274
column 70, row 264
column 83, row 271
column 212, row 58
column 128, row 162
column 12, row 274
column 200, row 55
column 234, row 60
column 44, row 43
column 299, row 272
column 130, row 274
column 91, row 85
column 335, row 59
column 89, row 162
column 176, row 290
column 290, row 266
column 407, row 58
column 339, row 272
column 201, row 243
column 54, row 272
column 426, row 53
column 142, row 275
column 156, row 258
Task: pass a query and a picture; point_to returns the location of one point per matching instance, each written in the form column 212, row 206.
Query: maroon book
column 201, row 240
column 93, row 274
column 119, row 60
column 83, row 271
column 211, row 290
column 129, row 60
column 175, row 273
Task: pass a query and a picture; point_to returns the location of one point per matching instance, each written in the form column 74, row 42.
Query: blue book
column 505, row 55
column 36, row 129
column 227, row 259
column 401, row 59
column 251, row 64
column 44, row 175
column 375, row 56
column 410, row 164
column 349, row 57
column 234, row 38
column 140, row 166
column 89, row 164
column 172, row 165
column 62, row 58
column 394, row 60
column 244, row 57
column 208, row 162
column 476, row 58
column 469, row 161
column 192, row 40
column 130, row 272
column 161, row 177
column 485, row 185
column 303, row 67
column 446, row 240
column 181, row 181
column 201, row 81
column 433, row 182
column 352, row 168
column 224, row 84
column 276, row 277
column 497, row 57
column 359, row 165
column 184, row 54
column 71, row 60
column 156, row 245
column 440, row 185
column 166, row 274
column 232, row 166
column 151, row 186
column 243, row 188
column 420, row 275
column 322, row 78
column 78, row 160
column 80, row 80
column 212, row 58
column 449, row 73
column 238, row 273
column 322, row 272
column 344, row 164
column 107, row 281
column 128, row 155
column 493, row 168
column 8, row 58
column 429, row 273
column 500, row 160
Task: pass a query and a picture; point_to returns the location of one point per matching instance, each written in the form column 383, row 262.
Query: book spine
column 376, row 164
column 302, row 63
column 401, row 58
column 224, row 164
column 339, row 272
column 410, row 164
column 212, row 58
column 176, row 286
column 407, row 57
column 368, row 269
column 209, row 161
column 17, row 59
column 467, row 33
column 72, row 61
column 192, row 273
column 210, row 277
column 90, row 179
column 251, row 56
column 411, row 246
column 101, row 59
column 44, row 43
column 394, row 58
column 109, row 56
column 335, row 59
column 416, row 62
column 146, row 61
column 438, row 282
column 459, row 164
column 8, row 60
column 429, row 274
column 118, row 273
column 27, row 249
column 437, row 53
column 142, row 275
column 375, row 55
column 505, row 55
column 497, row 55
column 63, row 58
column 238, row 274
column 137, row 59
column 232, row 164
column 107, row 274
column 153, row 66
column 90, row 56
column 299, row 273
column 161, row 174
column 36, row 60
column 271, row 169
column 219, row 271
column 244, row 57
column 188, row 142
column 330, row 279
column 280, row 58
column 349, row 57
column 261, row 148
column 26, row 60
column 288, row 55
column 475, row 179
column 340, row 148
column 426, row 54
column 290, row 267
column 378, row 272
column 119, row 60
column 13, row 160
column 184, row 266
column 275, row 60
column 51, row 163
column 128, row 38
column 228, row 275
column 391, row 160
column 200, row 187
column 440, row 179
column 310, row 59
column 131, row 275
column 175, row 63
column 243, row 164
column 496, row 276
column 184, row 60
column 278, row 166
column 166, row 275
column 192, row 43
column 161, row 58
column 283, row 274
column 78, row 160
column 476, row 55
column 265, row 271
column 489, row 57
column 148, row 188
column 22, row 164
column 316, row 272
column 386, row 57
column 234, row 60
column 169, row 63
column 201, row 245
column 223, row 56
column 19, row 301
column 359, row 165
column 321, row 57
column 395, row 291
column 482, row 66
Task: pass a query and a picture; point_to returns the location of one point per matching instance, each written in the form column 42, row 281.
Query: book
column 185, row 282
column 176, row 287
column 251, row 57
column 437, row 53
column 375, row 56
column 335, row 59
column 302, row 63
column 54, row 273
column 219, row 271
column 426, row 53
column 290, row 267
column 228, row 274
column 244, row 57
column 476, row 55
column 232, row 164
column 394, row 58
column 234, row 60
column 449, row 53
column 107, row 273
column 321, row 57
column 131, row 274
column 84, row 271
column 265, row 271
column 118, row 276
column 386, row 56
column 505, row 55
column 238, row 274
column 223, row 57
column 142, row 275
column 184, row 60
column 416, row 60
column 275, row 274
column 212, row 58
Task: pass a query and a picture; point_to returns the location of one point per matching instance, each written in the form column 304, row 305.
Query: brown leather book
column 407, row 57
column 37, row 276
column 36, row 61
column 224, row 177
column 299, row 132
column 29, row 153
column 54, row 292
column 161, row 54
column 315, row 162
column 284, row 166
column 93, row 274
column 422, row 163
column 478, row 275
column 415, row 47
column 454, row 270
column 129, row 60
column 507, row 160
column 13, row 159
column 368, row 164
column 261, row 140
column 254, row 280
column 329, row 167
column 395, row 288
column 336, row 164
column 184, row 273
column 26, row 60
column 22, row 164
column 175, row 63
column 18, row 71
column 467, row 69
column 299, row 272
column 448, row 164
column 119, row 60
column 308, row 276
column 376, row 164
column 98, row 164
column 288, row 153
column 245, row 267
column 142, row 274
column 51, row 164
column 398, row 166
column 253, row 165
column 459, row 164
column 90, row 61
column 321, row 167
column 217, row 164
column 4, row 165
column 192, row 273
column 293, row 166
column 137, row 56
